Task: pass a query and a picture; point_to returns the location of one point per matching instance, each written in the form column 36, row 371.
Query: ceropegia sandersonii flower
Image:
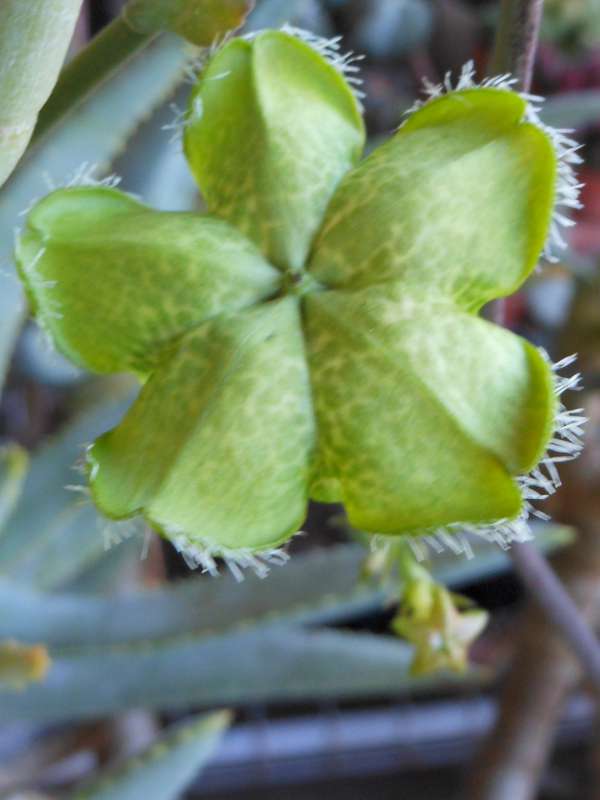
column 317, row 334
column 439, row 624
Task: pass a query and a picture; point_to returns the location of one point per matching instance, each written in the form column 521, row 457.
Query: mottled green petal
column 111, row 280
column 215, row 452
column 457, row 204
column 272, row 128
column 424, row 412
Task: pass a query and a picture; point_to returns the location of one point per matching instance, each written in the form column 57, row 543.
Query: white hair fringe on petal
column 204, row 555
column 542, row 482
column 567, row 186
column 331, row 50
column 83, row 175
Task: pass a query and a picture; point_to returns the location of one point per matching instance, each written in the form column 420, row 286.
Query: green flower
column 430, row 618
column 316, row 333
column 439, row 624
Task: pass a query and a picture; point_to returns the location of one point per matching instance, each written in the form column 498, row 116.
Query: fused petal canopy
column 316, row 333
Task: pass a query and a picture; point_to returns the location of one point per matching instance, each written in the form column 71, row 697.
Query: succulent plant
column 315, row 335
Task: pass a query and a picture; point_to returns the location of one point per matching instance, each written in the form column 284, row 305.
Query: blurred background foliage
column 115, row 659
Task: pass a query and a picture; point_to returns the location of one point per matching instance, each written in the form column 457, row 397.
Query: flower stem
column 409, row 568
column 552, row 597
column 512, row 761
column 514, row 53
column 516, row 40
column 516, row 44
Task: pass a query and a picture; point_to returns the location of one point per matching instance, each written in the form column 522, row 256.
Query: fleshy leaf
column 272, row 128
column 198, row 21
column 14, row 462
column 112, row 281
column 457, row 204
column 34, row 37
column 439, row 399
column 216, row 450
column 164, row 770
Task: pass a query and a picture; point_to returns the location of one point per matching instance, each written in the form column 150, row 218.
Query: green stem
column 88, row 70
column 410, row 569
